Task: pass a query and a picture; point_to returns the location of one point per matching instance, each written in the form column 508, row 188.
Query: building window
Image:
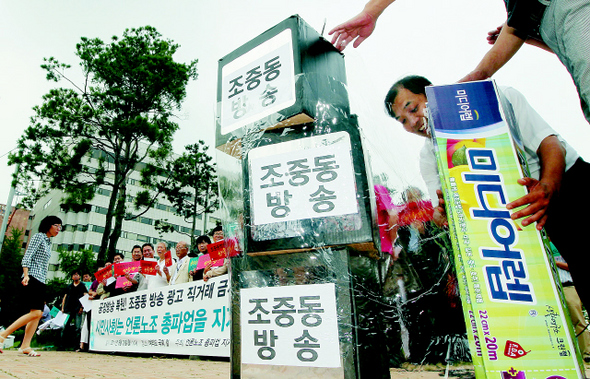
column 98, row 229
column 47, row 204
column 100, row 210
column 103, row 191
column 145, row 220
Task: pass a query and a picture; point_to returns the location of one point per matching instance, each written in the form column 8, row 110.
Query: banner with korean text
column 186, row 319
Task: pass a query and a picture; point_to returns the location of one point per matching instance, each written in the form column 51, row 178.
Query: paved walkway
column 62, row 365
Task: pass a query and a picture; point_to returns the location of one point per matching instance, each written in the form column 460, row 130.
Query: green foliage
column 190, row 185
column 10, row 277
column 56, row 288
column 95, row 134
column 82, row 261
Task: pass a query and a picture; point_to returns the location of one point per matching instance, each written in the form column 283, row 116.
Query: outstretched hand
column 473, row 76
column 536, row 201
column 358, row 28
column 493, row 35
column 440, row 215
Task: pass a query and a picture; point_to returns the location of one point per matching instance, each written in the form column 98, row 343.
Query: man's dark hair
column 218, row 228
column 203, row 238
column 120, row 254
column 414, row 83
column 137, row 247
column 147, row 244
column 47, row 222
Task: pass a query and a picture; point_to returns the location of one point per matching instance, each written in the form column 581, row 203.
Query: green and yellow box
column 512, row 297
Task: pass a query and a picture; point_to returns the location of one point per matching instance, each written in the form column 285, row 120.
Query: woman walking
column 35, row 264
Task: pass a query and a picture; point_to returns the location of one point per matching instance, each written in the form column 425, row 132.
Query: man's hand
column 358, row 28
column 493, row 35
column 505, row 45
column 473, row 76
column 440, row 214
column 538, row 199
column 25, row 280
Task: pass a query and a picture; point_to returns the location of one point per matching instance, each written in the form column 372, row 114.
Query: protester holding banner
column 146, row 276
column 212, row 271
column 35, row 264
column 110, row 286
column 180, row 268
column 163, row 274
column 202, row 242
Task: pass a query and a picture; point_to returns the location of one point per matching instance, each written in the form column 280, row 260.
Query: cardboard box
column 289, row 75
column 308, row 188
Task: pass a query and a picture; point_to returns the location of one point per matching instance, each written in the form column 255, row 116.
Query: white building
column 83, row 230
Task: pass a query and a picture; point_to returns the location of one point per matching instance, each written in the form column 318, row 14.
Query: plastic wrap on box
column 288, row 75
column 523, row 327
column 301, row 278
column 307, row 187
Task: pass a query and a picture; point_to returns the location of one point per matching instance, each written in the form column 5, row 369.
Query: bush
column 10, row 277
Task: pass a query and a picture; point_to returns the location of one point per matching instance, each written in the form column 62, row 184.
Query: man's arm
column 562, row 265
column 63, row 302
column 493, row 37
column 552, row 156
column 503, row 50
column 360, row 27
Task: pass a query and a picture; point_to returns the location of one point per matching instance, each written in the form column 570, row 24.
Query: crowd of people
column 167, row 271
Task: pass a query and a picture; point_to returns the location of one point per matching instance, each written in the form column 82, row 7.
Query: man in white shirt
column 179, row 272
column 556, row 168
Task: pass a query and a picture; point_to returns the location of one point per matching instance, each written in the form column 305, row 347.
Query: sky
column 440, row 39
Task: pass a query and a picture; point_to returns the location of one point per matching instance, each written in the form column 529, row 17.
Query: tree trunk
column 119, row 216
column 102, row 252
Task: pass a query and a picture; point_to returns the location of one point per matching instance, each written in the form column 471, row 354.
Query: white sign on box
column 302, row 179
column 259, row 83
column 290, row 326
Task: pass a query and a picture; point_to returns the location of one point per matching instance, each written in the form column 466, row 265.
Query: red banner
column 216, row 250
column 123, row 282
column 168, row 258
column 205, row 259
column 104, row 273
column 149, row 267
column 123, row 268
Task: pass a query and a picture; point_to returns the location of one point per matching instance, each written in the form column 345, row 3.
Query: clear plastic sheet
column 398, row 304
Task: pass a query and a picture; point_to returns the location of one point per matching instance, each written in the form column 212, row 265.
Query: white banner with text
column 186, row 319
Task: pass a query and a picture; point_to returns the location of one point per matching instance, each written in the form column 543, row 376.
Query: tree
column 82, row 261
column 191, row 186
column 97, row 133
column 10, row 274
